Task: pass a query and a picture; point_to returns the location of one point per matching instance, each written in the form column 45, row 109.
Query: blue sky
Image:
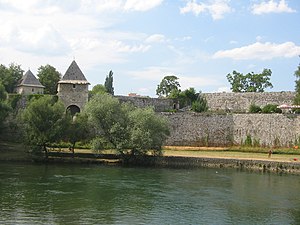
column 199, row 41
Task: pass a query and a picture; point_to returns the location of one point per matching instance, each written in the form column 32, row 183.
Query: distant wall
column 233, row 102
column 240, row 102
column 195, row 129
column 159, row 104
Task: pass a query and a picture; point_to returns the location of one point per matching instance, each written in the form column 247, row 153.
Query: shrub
column 270, row 108
column 248, row 141
column 200, row 105
column 254, row 108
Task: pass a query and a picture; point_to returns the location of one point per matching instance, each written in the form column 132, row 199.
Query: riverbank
column 172, row 157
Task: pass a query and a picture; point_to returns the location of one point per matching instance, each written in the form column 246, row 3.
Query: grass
column 283, row 155
column 17, row 152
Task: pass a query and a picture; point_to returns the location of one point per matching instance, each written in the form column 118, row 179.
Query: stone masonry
column 196, row 129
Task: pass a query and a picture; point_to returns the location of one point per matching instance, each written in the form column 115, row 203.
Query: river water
column 82, row 194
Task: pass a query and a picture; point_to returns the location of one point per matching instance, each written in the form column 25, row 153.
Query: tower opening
column 73, row 109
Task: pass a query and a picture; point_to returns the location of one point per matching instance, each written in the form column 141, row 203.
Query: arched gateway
column 73, row 109
column 73, row 89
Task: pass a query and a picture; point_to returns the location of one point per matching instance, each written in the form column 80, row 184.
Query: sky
column 141, row 41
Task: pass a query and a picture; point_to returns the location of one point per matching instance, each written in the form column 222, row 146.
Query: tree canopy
column 167, row 85
column 10, row 76
column 4, row 107
column 297, row 87
column 44, row 122
column 124, row 127
column 250, row 82
column 97, row 89
column 49, row 77
column 109, row 83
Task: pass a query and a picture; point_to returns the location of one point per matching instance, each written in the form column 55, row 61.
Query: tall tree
column 49, row 77
column 77, row 129
column 10, row 76
column 4, row 107
column 97, row 89
column 250, row 82
column 109, row 83
column 167, row 85
column 44, row 123
column 297, row 87
column 124, row 127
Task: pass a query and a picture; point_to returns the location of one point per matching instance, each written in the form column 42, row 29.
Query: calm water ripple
column 77, row 194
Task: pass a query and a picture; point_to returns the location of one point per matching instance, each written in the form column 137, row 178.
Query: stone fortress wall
column 233, row 102
column 240, row 102
column 195, row 129
column 213, row 129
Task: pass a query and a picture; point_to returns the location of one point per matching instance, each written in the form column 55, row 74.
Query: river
column 94, row 194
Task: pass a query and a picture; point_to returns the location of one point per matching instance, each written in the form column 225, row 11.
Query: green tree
column 109, row 83
column 110, row 120
column 148, row 131
column 78, row 129
column 200, row 105
column 10, row 76
column 44, row 123
column 124, row 127
column 297, row 87
column 49, row 77
column 250, row 82
column 97, row 89
column 167, row 85
column 4, row 107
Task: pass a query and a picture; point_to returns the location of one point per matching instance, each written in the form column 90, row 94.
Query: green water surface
column 82, row 194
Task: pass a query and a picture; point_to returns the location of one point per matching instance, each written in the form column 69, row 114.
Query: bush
column 270, row 108
column 200, row 105
column 248, row 141
column 254, row 108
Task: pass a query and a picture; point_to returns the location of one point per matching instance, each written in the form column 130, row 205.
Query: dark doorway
column 73, row 109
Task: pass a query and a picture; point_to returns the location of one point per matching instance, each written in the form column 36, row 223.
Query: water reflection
column 60, row 194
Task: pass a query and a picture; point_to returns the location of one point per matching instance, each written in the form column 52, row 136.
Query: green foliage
column 167, row 85
column 77, row 129
column 110, row 119
column 97, row 89
column 49, row 77
column 200, row 105
column 123, row 127
column 271, row 108
column 4, row 107
column 43, row 122
column 10, row 76
column 297, row 87
column 248, row 141
column 13, row 100
column 185, row 98
column 254, row 108
column 250, row 82
column 147, row 131
column 109, row 83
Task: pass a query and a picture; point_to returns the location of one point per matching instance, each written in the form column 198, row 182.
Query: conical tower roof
column 74, row 75
column 29, row 79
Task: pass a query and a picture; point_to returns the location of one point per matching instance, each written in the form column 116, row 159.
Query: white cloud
column 156, row 38
column 262, row 51
column 141, row 5
column 197, row 82
column 216, row 8
column 121, row 47
column 151, row 73
column 45, row 40
column 271, row 7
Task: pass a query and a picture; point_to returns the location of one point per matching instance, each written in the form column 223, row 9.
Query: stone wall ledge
column 242, row 164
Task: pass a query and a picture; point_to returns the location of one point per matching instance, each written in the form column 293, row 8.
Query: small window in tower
column 74, row 86
column 32, row 89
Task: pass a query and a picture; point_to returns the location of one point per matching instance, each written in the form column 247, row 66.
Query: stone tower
column 29, row 85
column 73, row 89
